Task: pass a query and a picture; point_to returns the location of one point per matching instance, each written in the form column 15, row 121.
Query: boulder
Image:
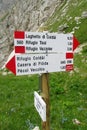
column 36, row 128
column 84, row 15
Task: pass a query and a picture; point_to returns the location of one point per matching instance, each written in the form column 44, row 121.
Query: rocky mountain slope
column 26, row 15
column 6, row 4
column 38, row 15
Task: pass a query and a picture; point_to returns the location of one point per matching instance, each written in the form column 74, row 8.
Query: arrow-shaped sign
column 75, row 43
column 38, row 42
column 11, row 65
column 40, row 63
column 49, row 52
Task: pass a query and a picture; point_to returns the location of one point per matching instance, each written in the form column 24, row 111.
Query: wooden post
column 45, row 96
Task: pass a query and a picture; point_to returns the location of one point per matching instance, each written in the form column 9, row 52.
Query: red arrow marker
column 75, row 43
column 11, row 65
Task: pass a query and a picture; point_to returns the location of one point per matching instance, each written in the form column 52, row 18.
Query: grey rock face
column 24, row 15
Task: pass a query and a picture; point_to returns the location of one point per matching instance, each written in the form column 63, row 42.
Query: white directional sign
column 23, row 64
column 37, row 42
column 40, row 106
column 37, row 52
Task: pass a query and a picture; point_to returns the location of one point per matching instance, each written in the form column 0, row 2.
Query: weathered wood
column 45, row 96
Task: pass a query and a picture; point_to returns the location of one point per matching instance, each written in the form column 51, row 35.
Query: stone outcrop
column 84, row 14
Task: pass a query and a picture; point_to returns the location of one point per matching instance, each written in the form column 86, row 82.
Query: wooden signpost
column 45, row 95
column 42, row 53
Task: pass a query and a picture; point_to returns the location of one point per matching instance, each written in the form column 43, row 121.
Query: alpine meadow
column 68, row 90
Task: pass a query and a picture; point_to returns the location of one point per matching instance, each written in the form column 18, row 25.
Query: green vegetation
column 67, row 14
column 68, row 90
column 17, row 111
column 68, row 99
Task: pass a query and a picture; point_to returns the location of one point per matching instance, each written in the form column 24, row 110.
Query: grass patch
column 16, row 102
column 68, row 90
column 68, row 100
column 69, row 103
column 66, row 14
